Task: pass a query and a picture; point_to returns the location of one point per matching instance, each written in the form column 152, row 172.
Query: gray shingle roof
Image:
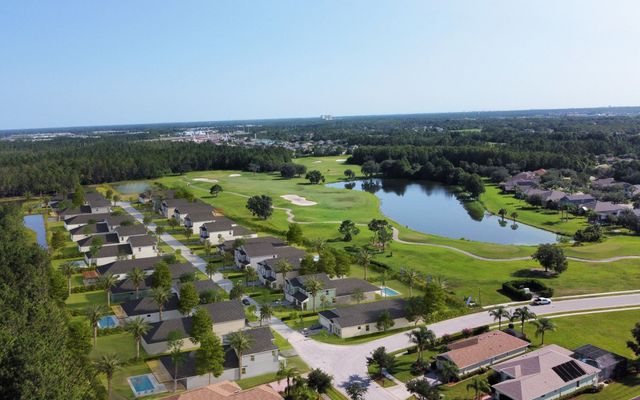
column 114, row 251
column 86, row 218
column 90, row 229
column 124, row 266
column 365, row 313
column 188, row 367
column 131, row 230
column 142, row 241
column 107, row 239
column 343, row 287
column 224, row 311
column 219, row 224
column 95, row 199
column 147, row 305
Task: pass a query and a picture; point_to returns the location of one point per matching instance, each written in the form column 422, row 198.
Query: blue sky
column 70, row 63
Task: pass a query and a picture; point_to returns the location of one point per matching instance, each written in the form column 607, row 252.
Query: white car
column 540, row 301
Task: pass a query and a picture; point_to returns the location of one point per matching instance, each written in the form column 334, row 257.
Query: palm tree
column 160, row 295
column 137, row 327
column 250, row 275
column 287, row 372
column 410, row 276
column 502, row 212
column 211, row 269
column 498, row 313
column 422, row 338
column 266, row 312
column 364, row 259
column 108, row 365
column 543, row 325
column 514, row 215
column 94, row 315
column 68, row 269
column 284, row 267
column 449, row 371
column 137, row 277
column 479, row 386
column 313, row 286
column 240, row 342
column 523, row 314
column 107, row 282
column 176, row 354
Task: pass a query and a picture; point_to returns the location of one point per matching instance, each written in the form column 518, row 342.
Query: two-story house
column 333, row 291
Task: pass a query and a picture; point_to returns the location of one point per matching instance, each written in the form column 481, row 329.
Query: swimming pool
column 143, row 385
column 388, row 292
column 110, row 321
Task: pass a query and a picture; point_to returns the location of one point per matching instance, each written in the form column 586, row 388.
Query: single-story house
column 106, row 239
column 262, row 358
column 121, row 268
column 547, row 373
column 148, row 309
column 84, row 231
column 227, row 317
column 608, row 183
column 361, row 319
column 611, row 365
column 546, row 196
column 336, row 291
column 605, row 209
column 268, row 273
column 520, row 181
column 578, row 199
column 481, row 351
column 223, row 227
column 228, row 390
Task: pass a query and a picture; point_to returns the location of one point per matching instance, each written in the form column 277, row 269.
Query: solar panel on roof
column 568, row 371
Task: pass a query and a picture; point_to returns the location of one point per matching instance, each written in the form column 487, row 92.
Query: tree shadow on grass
column 534, row 273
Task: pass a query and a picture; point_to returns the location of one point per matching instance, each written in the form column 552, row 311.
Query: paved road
column 197, row 261
column 345, row 362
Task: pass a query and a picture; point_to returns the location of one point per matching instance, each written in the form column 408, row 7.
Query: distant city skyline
column 74, row 63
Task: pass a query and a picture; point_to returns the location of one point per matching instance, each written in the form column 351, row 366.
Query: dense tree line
column 38, row 357
column 60, row 164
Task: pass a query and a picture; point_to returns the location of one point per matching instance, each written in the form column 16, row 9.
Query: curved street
column 347, row 362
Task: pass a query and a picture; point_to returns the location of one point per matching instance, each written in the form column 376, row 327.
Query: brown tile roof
column 228, row 390
column 474, row 350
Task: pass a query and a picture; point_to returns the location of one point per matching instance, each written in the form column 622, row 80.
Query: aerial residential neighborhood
column 330, row 200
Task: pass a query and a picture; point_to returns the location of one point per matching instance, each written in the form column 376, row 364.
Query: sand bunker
column 341, row 160
column 317, row 162
column 297, row 200
column 234, row 175
column 205, row 180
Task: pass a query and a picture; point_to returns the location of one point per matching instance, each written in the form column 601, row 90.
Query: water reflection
column 433, row 208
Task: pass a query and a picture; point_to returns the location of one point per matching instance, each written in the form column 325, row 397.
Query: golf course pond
column 432, row 208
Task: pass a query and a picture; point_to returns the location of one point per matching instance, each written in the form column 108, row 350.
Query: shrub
column 419, row 367
column 515, row 289
column 466, row 332
column 480, row 330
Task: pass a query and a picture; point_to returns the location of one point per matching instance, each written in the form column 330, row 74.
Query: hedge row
column 515, row 289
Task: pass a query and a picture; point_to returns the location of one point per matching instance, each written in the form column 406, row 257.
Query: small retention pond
column 132, row 187
column 35, row 222
column 432, row 208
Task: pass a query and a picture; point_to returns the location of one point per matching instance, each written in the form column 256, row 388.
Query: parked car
column 246, row 302
column 539, row 301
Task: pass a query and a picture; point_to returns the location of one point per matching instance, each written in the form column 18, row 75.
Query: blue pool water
column 108, row 322
column 141, row 383
column 388, row 292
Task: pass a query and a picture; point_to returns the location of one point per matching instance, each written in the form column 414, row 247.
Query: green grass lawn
column 466, row 276
column 607, row 330
column 80, row 301
column 121, row 344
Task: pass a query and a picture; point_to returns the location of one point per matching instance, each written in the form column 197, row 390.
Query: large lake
column 433, row 208
column 35, row 222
